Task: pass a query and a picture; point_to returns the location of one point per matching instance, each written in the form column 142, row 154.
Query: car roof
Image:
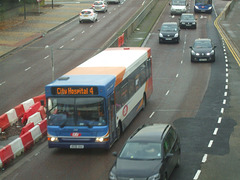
column 87, row 10
column 187, row 14
column 152, row 133
column 203, row 39
column 166, row 23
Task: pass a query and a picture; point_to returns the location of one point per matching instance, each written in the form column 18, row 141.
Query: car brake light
column 102, row 5
column 93, row 5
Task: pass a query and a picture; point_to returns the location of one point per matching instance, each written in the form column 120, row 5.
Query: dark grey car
column 187, row 20
column 151, row 153
column 169, row 32
column 202, row 50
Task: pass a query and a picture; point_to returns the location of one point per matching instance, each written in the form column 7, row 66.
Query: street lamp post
column 51, row 61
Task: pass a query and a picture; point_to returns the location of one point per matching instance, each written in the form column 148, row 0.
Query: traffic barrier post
column 17, row 147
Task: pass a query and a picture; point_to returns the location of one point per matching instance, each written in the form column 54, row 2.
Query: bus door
column 111, row 118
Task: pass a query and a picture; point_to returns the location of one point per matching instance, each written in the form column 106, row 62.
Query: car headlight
column 210, row 53
column 209, row 8
column 182, row 22
column 112, row 176
column 193, row 23
column 196, row 7
column 193, row 52
column 160, row 35
column 154, row 177
column 176, row 35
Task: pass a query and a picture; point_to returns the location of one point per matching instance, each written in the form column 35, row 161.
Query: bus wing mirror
column 114, row 153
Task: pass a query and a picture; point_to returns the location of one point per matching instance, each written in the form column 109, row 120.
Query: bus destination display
column 74, row 90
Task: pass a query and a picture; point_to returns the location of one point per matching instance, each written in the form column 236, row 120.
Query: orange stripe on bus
column 116, row 71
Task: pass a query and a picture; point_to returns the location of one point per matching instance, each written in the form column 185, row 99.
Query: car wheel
column 144, row 102
column 119, row 130
column 178, row 161
column 165, row 176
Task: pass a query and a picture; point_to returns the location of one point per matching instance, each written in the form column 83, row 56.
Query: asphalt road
column 194, row 97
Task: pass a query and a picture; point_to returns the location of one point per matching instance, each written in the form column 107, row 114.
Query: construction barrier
column 35, row 118
column 36, row 133
column 6, row 154
column 43, row 127
column 27, row 128
column 40, row 98
column 12, row 116
column 27, row 140
column 19, row 111
column 32, row 110
column 27, row 104
column 17, row 147
column 4, row 122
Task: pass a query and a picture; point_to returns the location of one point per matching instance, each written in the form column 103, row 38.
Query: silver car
column 100, row 6
column 87, row 15
column 113, row 1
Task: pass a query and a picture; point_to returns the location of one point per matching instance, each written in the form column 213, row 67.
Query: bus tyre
column 144, row 101
column 119, row 130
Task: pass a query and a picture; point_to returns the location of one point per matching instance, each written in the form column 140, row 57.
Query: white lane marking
column 91, row 26
column 177, row 75
column 222, row 110
column 104, row 16
column 226, row 74
column 83, row 32
column 225, row 94
column 204, row 159
column 224, row 101
column 2, row 83
column 151, row 115
column 61, row 46
column 219, row 120
column 72, row 39
column 197, row 175
column 226, row 86
column 167, row 93
column 210, row 143
column 226, row 80
column 46, row 57
column 27, row 69
column 215, row 131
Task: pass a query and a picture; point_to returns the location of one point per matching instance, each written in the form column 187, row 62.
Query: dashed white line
column 226, row 86
column 222, row 110
column 210, row 143
column 226, row 80
column 72, row 39
column 197, row 175
column 219, row 120
column 61, row 46
column 177, row 75
column 224, row 101
column 83, row 32
column 225, row 93
column 151, row 115
column 91, row 26
column 204, row 159
column 167, row 93
column 215, row 131
column 46, row 57
column 27, row 69
column 226, row 74
column 2, row 83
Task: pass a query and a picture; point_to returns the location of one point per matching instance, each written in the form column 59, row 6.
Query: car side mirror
column 169, row 155
column 158, row 29
column 214, row 47
column 190, row 47
column 169, row 4
column 114, row 153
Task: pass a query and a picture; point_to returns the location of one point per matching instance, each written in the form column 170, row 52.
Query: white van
column 178, row 6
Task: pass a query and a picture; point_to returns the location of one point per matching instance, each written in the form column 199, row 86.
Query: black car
column 169, row 32
column 202, row 51
column 151, row 153
column 187, row 20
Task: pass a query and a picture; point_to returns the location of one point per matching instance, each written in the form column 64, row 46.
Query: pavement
column 18, row 32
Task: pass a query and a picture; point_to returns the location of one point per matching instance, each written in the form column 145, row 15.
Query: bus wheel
column 119, row 130
column 144, row 101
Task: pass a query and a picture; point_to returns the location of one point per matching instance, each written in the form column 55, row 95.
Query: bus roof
column 109, row 66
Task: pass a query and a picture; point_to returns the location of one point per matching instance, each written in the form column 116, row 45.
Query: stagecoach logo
column 125, row 110
column 75, row 134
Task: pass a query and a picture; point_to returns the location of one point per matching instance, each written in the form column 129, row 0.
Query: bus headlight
column 52, row 138
column 102, row 139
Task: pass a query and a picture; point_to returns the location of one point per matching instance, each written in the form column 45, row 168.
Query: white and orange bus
column 91, row 105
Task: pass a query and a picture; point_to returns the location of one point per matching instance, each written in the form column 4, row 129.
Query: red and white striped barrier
column 29, row 135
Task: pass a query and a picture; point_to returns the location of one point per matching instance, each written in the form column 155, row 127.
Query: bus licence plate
column 76, row 146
